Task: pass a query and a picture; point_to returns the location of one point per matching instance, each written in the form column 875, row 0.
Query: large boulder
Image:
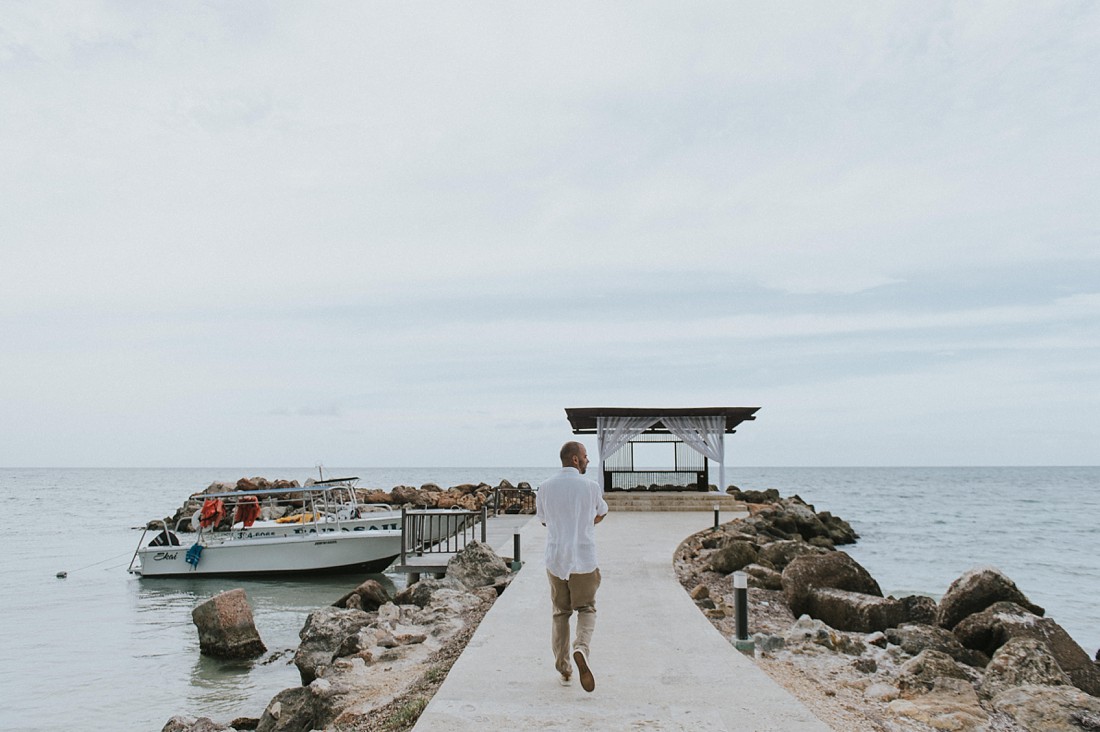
column 975, row 591
column 226, row 627
column 420, row 593
column 950, row 704
column 840, row 531
column 1050, row 708
column 374, row 495
column 477, row 565
column 919, row 608
column 368, row 596
column 732, row 557
column 916, row 637
column 835, row 570
column 291, row 710
column 996, row 625
column 763, row 577
column 920, row 673
column 854, row 611
column 1020, row 662
column 405, row 494
column 778, row 554
column 798, row 518
column 323, row 634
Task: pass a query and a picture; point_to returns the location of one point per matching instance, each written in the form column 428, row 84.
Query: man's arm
column 599, row 518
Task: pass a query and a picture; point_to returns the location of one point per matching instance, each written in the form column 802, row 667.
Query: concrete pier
column 659, row 663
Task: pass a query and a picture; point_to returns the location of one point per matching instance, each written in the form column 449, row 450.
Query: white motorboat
column 328, row 531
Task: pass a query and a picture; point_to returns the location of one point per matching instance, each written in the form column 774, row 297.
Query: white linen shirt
column 568, row 503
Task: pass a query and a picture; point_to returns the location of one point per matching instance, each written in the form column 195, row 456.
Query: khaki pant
column 577, row 593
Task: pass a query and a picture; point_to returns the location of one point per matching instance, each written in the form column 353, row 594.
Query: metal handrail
column 440, row 531
column 520, row 499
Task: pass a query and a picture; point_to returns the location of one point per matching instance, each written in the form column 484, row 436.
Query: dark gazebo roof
column 583, row 419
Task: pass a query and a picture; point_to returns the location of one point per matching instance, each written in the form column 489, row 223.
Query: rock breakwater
column 982, row 658
column 370, row 661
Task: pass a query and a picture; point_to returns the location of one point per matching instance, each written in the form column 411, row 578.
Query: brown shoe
column 588, row 681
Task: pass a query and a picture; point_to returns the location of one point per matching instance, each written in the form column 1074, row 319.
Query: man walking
column 569, row 506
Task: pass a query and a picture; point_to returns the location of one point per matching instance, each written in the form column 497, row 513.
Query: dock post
column 517, row 562
column 741, row 611
column 412, row 578
column 716, row 508
column 403, row 529
column 484, row 525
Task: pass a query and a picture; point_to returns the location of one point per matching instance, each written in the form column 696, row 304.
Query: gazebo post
column 722, row 465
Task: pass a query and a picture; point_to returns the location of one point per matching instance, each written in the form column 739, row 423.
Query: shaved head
column 570, row 450
column 574, row 455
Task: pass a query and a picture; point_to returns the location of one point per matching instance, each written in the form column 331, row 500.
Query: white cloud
column 244, row 209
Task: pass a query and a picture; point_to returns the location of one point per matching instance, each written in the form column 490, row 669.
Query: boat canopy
column 318, row 487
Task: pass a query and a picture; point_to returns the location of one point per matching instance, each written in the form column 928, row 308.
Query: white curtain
column 705, row 435
column 612, row 433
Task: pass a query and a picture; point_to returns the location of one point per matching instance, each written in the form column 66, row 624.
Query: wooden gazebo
column 696, row 434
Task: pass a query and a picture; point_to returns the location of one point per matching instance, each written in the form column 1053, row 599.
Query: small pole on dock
column 741, row 611
column 517, row 562
column 716, row 508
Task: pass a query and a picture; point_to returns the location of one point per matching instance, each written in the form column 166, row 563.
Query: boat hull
column 338, row 551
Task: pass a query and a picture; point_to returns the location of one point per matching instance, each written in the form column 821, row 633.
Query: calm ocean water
column 105, row 650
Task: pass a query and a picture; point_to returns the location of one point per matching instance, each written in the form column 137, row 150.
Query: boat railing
column 440, row 531
column 513, row 500
column 167, row 535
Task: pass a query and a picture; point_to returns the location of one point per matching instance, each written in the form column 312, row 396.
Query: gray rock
column 477, row 565
column 854, row 611
column 1020, row 662
column 326, row 630
column 765, row 643
column 881, row 691
column 919, row 609
column 1050, row 708
column 226, row 627
column 993, row 627
column 916, row 637
column 763, row 577
column 778, row 554
column 835, row 570
column 840, row 531
column 182, row 723
column 919, row 674
column 732, row 557
column 420, row 593
column 291, row 710
column 950, row 704
column 975, row 591
column 809, row 631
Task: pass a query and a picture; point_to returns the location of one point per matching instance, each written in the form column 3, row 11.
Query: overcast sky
column 386, row 234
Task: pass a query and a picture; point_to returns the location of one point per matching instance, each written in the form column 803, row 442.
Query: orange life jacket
column 213, row 511
column 248, row 510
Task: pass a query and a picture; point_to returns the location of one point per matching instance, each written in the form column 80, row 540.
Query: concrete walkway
column 659, row 663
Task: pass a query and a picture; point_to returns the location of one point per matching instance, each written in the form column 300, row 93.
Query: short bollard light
column 516, row 561
column 716, row 508
column 741, row 611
